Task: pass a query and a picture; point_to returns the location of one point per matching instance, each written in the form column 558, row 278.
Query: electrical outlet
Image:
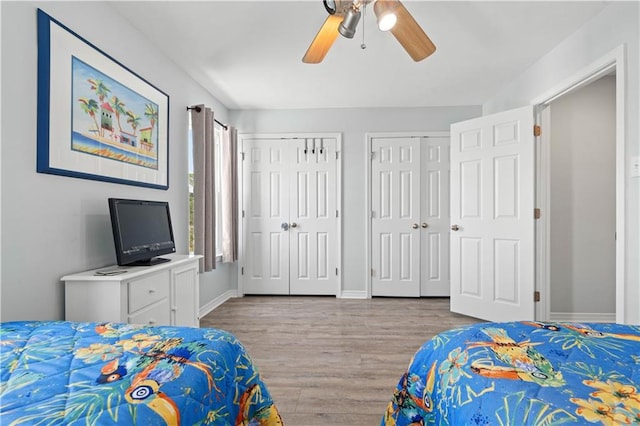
column 635, row 167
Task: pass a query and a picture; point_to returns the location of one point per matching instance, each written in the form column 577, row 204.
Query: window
column 217, row 132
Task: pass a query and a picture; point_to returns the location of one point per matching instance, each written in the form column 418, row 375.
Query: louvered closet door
column 266, row 188
column 395, row 223
column 313, row 232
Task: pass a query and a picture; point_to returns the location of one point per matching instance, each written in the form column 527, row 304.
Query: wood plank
column 333, row 361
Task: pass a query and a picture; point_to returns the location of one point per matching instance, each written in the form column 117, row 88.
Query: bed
column 107, row 373
column 522, row 373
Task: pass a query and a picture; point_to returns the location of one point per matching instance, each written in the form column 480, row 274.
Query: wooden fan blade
column 323, row 40
column 410, row 35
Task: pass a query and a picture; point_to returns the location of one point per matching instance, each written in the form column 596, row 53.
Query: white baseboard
column 581, row 317
column 353, row 294
column 204, row 310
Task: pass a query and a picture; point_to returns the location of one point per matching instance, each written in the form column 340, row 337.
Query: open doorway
column 580, row 236
column 582, row 203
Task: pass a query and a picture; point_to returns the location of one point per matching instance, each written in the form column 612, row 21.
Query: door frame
column 613, row 61
column 289, row 136
column 368, row 195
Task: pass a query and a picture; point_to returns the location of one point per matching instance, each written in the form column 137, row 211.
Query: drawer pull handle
column 152, row 322
column 152, row 290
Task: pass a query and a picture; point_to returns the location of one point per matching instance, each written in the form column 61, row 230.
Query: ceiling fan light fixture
column 350, row 22
column 385, row 14
column 387, row 22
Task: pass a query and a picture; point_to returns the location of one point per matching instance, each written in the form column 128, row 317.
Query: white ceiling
column 248, row 54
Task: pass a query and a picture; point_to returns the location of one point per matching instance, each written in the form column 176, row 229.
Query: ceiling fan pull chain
column 364, row 14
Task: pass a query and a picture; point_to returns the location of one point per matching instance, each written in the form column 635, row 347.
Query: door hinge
column 336, row 155
column 336, row 271
column 537, row 131
column 372, row 154
column 536, row 296
column 373, row 272
column 242, row 213
column 242, row 271
column 337, row 213
column 373, row 214
column 537, row 213
column 242, row 153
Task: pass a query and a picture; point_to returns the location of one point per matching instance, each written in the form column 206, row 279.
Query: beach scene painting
column 110, row 120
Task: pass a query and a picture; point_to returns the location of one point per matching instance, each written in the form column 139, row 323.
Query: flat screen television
column 142, row 231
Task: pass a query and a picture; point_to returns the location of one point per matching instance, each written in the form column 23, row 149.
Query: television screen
column 141, row 231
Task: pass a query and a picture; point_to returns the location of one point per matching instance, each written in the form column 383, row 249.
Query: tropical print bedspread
column 55, row 373
column 522, row 373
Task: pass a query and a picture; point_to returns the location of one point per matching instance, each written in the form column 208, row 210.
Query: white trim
column 229, row 294
column 318, row 135
column 542, row 225
column 367, row 213
column 325, row 135
column 239, row 173
column 354, row 294
column 339, row 155
column 582, row 317
column 614, row 60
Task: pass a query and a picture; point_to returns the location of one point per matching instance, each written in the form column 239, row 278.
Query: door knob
column 415, row 226
column 455, row 227
column 294, row 225
column 425, row 225
column 284, row 226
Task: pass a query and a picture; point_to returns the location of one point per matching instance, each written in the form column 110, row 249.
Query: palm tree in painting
column 98, row 86
column 151, row 113
column 90, row 106
column 133, row 120
column 118, row 108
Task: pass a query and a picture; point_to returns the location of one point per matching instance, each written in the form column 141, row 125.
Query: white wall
column 53, row 225
column 583, row 199
column 353, row 124
column 617, row 24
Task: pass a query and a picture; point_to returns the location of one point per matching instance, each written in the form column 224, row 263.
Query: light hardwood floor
column 329, row 361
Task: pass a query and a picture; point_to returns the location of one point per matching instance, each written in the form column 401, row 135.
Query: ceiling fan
column 343, row 19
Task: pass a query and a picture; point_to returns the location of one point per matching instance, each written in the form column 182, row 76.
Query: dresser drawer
column 148, row 290
column 157, row 314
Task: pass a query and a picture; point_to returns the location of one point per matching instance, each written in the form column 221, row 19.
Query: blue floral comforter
column 55, row 373
column 522, row 373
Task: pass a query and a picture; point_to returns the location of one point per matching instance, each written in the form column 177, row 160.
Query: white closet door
column 395, row 223
column 266, row 188
column 313, row 231
column 290, row 225
column 434, row 195
column 492, row 200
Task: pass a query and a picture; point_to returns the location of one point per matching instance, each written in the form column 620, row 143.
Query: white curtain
column 204, row 194
column 229, row 190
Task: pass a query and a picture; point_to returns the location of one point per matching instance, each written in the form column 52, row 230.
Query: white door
column 434, row 196
column 313, row 217
column 492, row 216
column 290, row 224
column 266, row 181
column 395, row 222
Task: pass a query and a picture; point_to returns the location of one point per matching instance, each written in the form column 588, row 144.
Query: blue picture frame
column 96, row 118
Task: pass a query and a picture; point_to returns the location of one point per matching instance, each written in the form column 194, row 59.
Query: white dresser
column 163, row 294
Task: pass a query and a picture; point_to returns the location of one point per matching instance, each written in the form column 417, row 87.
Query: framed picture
column 97, row 119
